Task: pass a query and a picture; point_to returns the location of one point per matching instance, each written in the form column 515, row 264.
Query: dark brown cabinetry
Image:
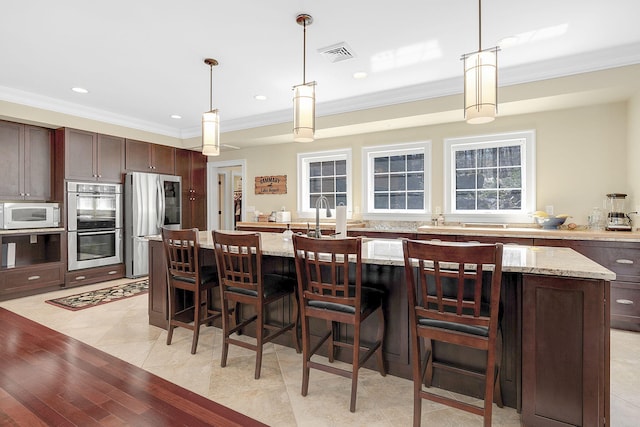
column 39, row 263
column 25, row 163
column 192, row 167
column 89, row 156
column 145, row 157
column 623, row 258
column 93, row 275
column 565, row 352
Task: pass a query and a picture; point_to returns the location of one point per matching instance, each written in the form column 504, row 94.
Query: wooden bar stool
column 446, row 304
column 239, row 260
column 184, row 272
column 330, row 288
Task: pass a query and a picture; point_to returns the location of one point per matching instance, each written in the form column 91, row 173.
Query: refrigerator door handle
column 160, row 204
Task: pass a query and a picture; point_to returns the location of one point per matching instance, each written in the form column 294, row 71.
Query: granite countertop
column 548, row 261
column 31, row 231
column 326, row 225
column 524, row 232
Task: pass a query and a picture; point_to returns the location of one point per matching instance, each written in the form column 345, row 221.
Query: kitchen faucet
column 318, row 234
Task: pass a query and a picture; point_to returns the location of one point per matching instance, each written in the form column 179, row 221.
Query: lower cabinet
column 565, row 352
column 36, row 265
column 93, row 275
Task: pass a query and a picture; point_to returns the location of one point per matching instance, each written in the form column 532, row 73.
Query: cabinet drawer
column 625, row 262
column 26, row 279
column 94, row 275
column 495, row 239
column 625, row 305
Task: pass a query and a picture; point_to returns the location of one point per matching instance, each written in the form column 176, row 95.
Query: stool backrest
column 239, row 260
column 327, row 268
column 182, row 249
column 445, row 282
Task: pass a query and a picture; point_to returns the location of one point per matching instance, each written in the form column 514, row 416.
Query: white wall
column 633, row 157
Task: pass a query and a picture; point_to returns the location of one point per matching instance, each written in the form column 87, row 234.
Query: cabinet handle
column 28, row 194
column 80, row 278
column 624, row 301
column 33, row 277
column 113, row 272
column 624, row 261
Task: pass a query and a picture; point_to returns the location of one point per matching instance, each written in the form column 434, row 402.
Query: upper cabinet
column 25, row 163
column 192, row 167
column 145, row 157
column 89, row 156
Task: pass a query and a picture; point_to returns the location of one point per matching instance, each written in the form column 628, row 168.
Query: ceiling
column 143, row 61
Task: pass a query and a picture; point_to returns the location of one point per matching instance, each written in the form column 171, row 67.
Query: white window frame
column 527, row 140
column 368, row 156
column 304, row 159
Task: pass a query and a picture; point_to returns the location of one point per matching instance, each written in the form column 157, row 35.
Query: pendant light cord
column 479, row 25
column 304, row 52
column 210, row 87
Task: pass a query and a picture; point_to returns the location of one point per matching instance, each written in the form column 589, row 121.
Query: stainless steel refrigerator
column 151, row 201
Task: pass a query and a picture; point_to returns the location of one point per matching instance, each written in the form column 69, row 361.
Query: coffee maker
column 617, row 219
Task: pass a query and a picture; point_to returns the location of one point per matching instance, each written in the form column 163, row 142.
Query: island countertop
column 542, row 260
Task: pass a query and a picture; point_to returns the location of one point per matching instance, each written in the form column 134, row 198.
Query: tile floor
column 121, row 329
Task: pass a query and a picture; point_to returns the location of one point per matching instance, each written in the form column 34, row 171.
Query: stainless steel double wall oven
column 94, row 224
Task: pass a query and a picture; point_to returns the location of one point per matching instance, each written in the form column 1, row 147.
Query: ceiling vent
column 337, row 52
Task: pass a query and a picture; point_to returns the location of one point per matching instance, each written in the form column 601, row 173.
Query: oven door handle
column 111, row 231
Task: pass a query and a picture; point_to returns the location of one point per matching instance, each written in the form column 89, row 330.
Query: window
column 490, row 178
column 396, row 181
column 323, row 174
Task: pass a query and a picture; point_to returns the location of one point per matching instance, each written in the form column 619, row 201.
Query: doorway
column 226, row 187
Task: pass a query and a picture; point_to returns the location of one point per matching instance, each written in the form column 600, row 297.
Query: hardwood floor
column 47, row 378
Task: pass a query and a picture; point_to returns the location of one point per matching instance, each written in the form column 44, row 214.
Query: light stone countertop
column 533, row 232
column 31, row 231
column 548, row 261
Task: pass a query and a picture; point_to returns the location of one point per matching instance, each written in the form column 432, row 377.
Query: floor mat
column 101, row 296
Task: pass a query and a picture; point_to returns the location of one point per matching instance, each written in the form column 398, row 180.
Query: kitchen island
column 555, row 325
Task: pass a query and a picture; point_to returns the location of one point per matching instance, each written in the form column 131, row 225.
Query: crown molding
column 557, row 67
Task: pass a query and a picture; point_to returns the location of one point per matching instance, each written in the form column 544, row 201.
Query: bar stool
column 330, row 289
column 184, row 272
column 239, row 260
column 446, row 304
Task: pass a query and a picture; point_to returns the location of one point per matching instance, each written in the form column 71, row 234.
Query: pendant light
column 211, row 119
column 304, row 96
column 480, row 81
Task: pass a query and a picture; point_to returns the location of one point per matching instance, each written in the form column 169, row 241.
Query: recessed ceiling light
column 260, row 97
column 79, row 90
column 176, row 116
column 360, row 75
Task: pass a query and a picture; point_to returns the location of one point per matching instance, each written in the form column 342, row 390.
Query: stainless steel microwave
column 17, row 215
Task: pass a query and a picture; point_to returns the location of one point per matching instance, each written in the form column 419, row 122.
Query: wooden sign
column 274, row 184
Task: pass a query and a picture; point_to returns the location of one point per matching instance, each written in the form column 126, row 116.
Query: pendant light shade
column 304, row 112
column 304, row 95
column 211, row 120
column 480, row 81
column 481, row 86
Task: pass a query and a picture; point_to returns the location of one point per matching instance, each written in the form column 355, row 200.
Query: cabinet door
column 11, row 160
column 565, row 351
column 183, row 169
column 137, row 156
column 163, row 159
column 110, row 157
column 199, row 187
column 37, row 165
column 79, row 155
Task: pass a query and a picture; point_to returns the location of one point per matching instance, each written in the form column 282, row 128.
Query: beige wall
column 581, row 156
column 633, row 157
column 51, row 119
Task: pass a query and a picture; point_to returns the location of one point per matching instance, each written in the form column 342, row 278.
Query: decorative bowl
column 550, row 222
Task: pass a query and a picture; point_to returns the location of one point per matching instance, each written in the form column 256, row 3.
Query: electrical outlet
column 33, row 238
column 549, row 209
